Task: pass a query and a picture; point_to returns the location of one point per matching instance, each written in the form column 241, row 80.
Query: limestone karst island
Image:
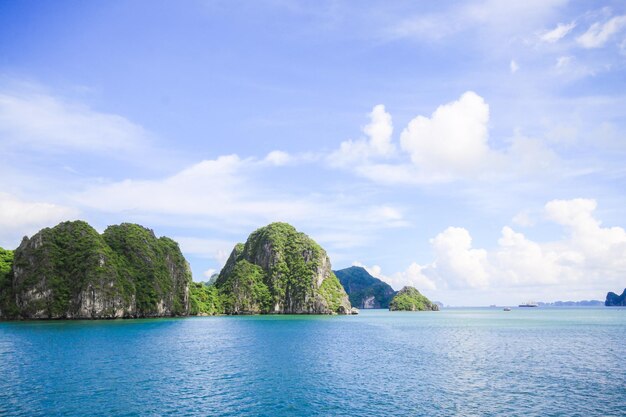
column 70, row 271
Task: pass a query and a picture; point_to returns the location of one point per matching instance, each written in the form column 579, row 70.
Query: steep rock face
column 71, row 271
column 279, row 270
column 613, row 299
column 410, row 299
column 364, row 290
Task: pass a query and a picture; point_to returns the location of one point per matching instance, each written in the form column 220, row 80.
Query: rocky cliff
column 280, row 270
column 613, row 299
column 71, row 271
column 410, row 299
column 364, row 290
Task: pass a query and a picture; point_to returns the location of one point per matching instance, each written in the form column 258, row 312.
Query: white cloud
column 19, row 217
column 213, row 189
column 559, row 32
column 378, row 144
column 216, row 249
column 589, row 257
column 46, row 123
column 524, row 219
column 599, row 34
column 563, row 61
column 519, row 261
column 456, row 263
column 452, row 144
column 492, row 16
column 278, row 158
column 514, row 67
column 598, row 245
column 453, row 140
column 231, row 195
column 412, row 276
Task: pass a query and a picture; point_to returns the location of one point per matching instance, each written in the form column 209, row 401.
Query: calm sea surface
column 548, row 362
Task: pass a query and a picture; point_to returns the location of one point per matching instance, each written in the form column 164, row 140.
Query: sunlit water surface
column 546, row 361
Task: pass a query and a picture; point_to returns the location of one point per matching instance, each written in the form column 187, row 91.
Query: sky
column 475, row 150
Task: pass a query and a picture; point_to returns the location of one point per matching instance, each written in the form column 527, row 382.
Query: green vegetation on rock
column 364, row 290
column 243, row 290
column 204, row 300
column 280, row 270
column 71, row 271
column 410, row 299
column 7, row 302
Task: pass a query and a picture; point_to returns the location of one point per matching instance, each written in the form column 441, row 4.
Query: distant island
column 410, row 299
column 583, row 303
column 613, row 300
column 364, row 290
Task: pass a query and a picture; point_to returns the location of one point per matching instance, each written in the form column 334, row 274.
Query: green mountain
column 410, row 299
column 280, row 270
column 364, row 290
column 71, row 271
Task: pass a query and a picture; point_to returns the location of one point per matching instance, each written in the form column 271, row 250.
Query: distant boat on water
column 506, row 309
column 529, row 304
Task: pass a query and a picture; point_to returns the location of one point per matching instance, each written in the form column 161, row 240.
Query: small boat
column 529, row 304
column 506, row 309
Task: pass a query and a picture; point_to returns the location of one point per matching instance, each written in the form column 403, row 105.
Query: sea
column 455, row 362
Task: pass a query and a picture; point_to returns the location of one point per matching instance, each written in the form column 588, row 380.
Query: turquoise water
column 545, row 362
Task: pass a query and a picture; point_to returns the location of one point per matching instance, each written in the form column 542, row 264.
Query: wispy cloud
column 558, row 33
column 599, row 34
column 34, row 119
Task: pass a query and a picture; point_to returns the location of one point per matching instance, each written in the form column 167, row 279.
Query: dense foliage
column 410, row 299
column 71, row 270
column 277, row 270
column 204, row 299
column 6, row 294
column 144, row 259
column 363, row 288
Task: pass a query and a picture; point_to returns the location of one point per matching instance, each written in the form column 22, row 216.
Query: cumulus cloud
column 378, row 143
column 453, row 140
column 452, row 144
column 559, row 32
column 46, row 123
column 588, row 256
column 19, row 217
column 456, row 263
column 599, row 34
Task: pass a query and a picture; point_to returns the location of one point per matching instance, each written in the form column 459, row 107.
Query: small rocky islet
column 410, row 299
column 71, row 271
column 614, row 300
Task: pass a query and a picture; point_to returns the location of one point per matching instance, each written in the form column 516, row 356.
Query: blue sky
column 472, row 149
